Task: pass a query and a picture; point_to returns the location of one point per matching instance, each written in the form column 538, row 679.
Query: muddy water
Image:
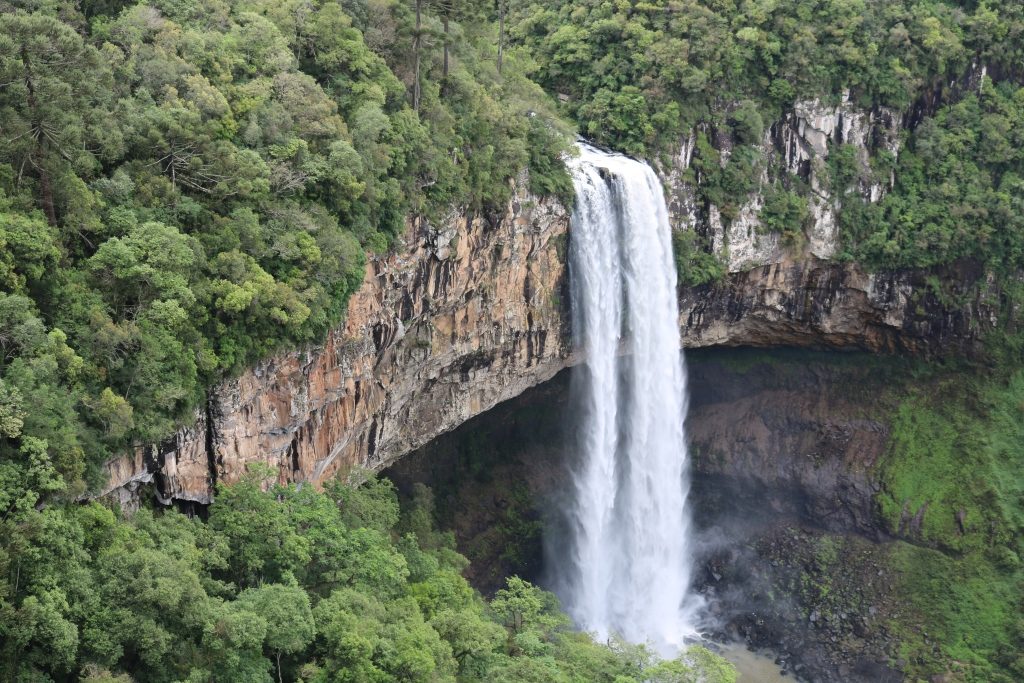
column 754, row 667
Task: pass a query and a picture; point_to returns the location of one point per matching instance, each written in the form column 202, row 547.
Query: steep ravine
column 471, row 312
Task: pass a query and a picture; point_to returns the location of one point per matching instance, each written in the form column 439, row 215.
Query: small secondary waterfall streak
column 628, row 570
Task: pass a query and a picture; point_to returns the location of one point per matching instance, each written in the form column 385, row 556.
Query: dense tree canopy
column 287, row 584
column 636, row 74
column 186, row 186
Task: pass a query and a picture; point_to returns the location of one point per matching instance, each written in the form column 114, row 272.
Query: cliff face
column 468, row 314
column 462, row 318
column 779, row 294
column 806, row 301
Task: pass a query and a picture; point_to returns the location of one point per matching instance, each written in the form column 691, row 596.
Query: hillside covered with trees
column 186, row 187
column 189, row 186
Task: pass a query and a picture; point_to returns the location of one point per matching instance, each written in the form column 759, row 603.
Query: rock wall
column 463, row 317
column 799, row 145
column 808, row 301
column 785, row 449
column 471, row 312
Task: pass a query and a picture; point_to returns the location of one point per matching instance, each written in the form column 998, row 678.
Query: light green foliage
column 286, row 609
column 285, row 584
column 954, row 464
column 966, row 615
column 696, row 665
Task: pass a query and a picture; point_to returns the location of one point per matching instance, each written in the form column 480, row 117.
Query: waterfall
column 625, row 570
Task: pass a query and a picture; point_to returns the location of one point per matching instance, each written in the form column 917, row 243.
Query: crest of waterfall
column 625, row 570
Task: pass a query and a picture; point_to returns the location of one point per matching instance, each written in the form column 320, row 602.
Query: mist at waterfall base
column 624, row 565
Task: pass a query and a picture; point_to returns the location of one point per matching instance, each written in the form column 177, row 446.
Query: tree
column 264, row 545
column 55, row 102
column 446, row 7
column 417, row 44
column 501, row 33
column 522, row 606
column 286, row 609
column 696, row 664
column 470, row 635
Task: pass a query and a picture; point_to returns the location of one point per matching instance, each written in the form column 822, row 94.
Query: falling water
column 628, row 569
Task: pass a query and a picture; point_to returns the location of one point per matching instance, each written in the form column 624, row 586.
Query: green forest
column 188, row 186
column 290, row 584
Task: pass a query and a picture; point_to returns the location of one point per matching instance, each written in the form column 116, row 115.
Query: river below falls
column 753, row 667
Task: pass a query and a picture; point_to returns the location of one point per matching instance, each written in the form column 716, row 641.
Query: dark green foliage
column 548, row 174
column 694, row 264
column 784, row 212
column 636, row 73
column 187, row 186
column 746, row 123
column 285, row 584
column 958, row 191
column 726, row 185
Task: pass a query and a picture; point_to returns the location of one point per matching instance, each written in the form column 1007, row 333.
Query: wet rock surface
column 824, row 304
column 822, row 600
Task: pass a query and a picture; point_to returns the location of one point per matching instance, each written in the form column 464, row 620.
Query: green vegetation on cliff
column 642, row 76
column 187, row 186
column 638, row 74
column 958, row 190
column 952, row 484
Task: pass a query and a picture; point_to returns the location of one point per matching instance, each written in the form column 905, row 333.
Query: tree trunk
column 46, row 190
column 445, row 19
column 501, row 33
column 416, row 49
column 38, row 156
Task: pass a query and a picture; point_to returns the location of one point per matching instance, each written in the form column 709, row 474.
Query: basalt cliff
column 471, row 311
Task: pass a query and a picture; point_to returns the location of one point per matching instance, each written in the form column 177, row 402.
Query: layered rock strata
column 461, row 318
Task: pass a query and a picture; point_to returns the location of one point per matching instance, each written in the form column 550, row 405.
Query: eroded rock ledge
column 826, row 304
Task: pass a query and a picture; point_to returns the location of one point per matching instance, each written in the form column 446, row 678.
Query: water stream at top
column 626, row 567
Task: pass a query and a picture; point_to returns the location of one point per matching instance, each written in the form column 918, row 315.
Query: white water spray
column 628, row 570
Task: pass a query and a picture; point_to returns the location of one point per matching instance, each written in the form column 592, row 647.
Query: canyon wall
column 472, row 311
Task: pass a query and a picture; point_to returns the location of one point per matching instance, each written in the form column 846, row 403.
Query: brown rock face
column 460, row 319
column 812, row 302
